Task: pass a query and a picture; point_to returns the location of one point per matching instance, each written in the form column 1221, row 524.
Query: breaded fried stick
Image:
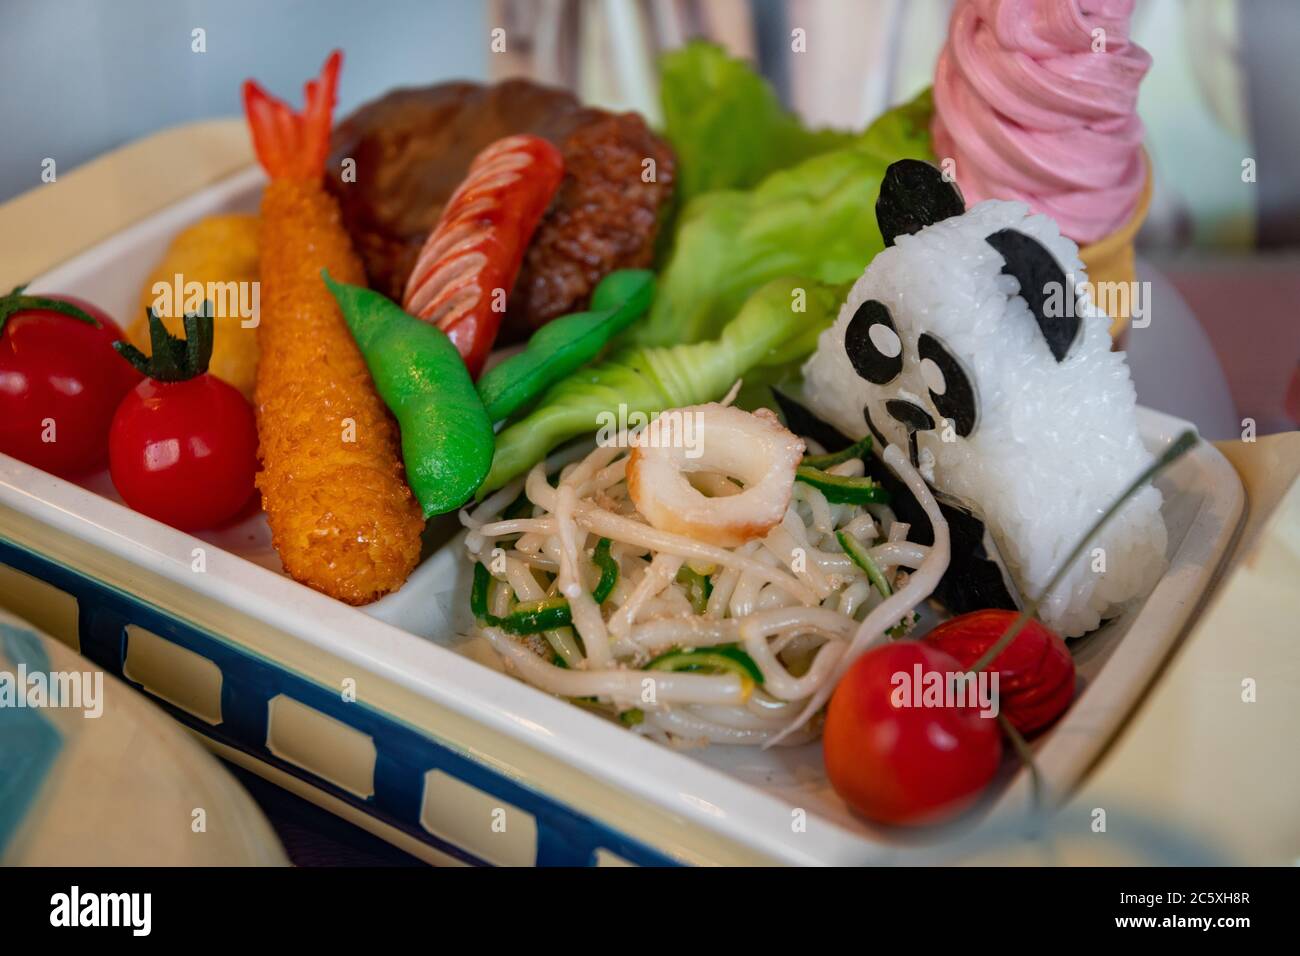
column 341, row 514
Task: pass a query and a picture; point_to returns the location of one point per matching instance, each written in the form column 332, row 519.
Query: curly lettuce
column 726, row 124
column 815, row 219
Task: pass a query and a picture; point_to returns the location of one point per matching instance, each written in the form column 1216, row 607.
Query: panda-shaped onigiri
column 967, row 344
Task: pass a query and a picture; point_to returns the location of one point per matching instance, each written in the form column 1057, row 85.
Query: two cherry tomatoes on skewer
column 898, row 763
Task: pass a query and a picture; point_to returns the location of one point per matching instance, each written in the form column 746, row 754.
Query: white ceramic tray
column 719, row 804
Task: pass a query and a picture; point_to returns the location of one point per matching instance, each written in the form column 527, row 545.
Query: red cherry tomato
column 1035, row 671
column 60, row 382
column 898, row 763
column 185, row 452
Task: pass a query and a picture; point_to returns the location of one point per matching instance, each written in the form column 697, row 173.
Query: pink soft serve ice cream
column 1028, row 111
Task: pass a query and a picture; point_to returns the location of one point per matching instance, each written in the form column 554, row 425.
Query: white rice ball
column 1053, row 443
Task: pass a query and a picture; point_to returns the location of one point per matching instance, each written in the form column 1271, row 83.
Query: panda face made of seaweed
column 967, row 344
column 927, row 327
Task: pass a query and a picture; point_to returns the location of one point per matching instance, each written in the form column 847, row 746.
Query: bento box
column 387, row 717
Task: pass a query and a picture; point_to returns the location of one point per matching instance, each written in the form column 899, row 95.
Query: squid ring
column 754, row 450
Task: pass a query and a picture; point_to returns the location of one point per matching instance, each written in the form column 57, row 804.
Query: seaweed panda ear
column 1030, row 264
column 914, row 195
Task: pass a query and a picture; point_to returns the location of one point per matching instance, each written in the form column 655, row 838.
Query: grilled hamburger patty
column 412, row 148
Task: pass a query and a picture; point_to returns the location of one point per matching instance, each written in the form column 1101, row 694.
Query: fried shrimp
column 342, row 517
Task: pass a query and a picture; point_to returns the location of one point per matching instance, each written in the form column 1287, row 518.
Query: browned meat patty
column 412, row 147
column 605, row 216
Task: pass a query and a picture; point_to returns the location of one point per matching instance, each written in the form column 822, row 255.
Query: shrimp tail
column 293, row 145
column 333, row 488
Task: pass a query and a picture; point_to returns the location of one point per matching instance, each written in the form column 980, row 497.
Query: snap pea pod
column 566, row 344
column 777, row 325
column 447, row 439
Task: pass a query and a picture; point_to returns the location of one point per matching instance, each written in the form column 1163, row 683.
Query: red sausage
column 479, row 242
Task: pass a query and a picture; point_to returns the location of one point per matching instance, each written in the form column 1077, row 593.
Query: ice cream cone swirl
column 1036, row 100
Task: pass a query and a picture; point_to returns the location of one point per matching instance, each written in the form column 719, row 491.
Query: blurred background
column 85, row 76
column 1222, row 253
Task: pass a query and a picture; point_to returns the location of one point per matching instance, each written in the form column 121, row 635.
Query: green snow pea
column 566, row 344
column 447, row 440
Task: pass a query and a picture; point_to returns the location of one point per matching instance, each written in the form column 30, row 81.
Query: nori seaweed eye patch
column 872, row 343
column 956, row 399
column 1038, row 272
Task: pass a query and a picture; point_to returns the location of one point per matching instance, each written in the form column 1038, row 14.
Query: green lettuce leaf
column 727, row 125
column 567, row 343
column 814, row 219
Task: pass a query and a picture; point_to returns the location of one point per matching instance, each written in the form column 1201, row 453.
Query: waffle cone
column 1110, row 259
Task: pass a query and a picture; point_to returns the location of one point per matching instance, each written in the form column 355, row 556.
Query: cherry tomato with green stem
column 183, row 444
column 60, row 381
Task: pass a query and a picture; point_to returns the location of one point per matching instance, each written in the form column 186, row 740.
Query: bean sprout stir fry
column 685, row 638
